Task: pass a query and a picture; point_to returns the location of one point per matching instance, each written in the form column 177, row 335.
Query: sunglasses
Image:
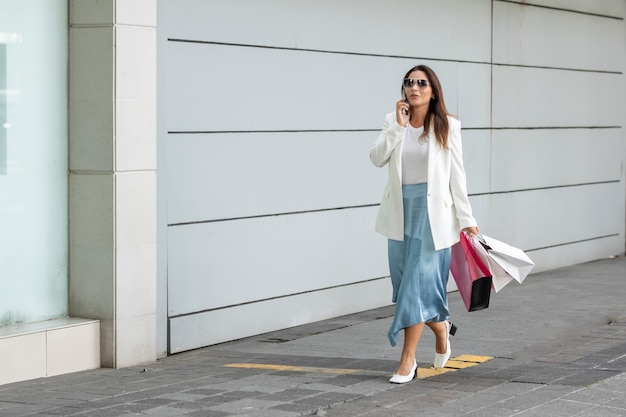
column 410, row 82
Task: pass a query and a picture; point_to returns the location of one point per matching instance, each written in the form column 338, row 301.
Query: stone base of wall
column 48, row 348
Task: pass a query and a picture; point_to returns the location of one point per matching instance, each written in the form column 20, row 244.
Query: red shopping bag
column 470, row 270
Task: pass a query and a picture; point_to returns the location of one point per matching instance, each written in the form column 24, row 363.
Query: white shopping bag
column 499, row 277
column 506, row 262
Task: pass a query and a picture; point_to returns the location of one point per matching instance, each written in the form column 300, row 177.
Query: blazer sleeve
column 458, row 182
column 390, row 136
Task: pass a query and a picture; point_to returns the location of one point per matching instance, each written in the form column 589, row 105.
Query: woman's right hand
column 402, row 118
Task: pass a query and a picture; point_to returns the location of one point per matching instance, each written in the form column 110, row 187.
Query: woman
column 424, row 208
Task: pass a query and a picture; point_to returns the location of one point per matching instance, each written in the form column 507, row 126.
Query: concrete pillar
column 112, row 162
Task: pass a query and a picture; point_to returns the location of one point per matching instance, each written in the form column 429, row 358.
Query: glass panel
column 33, row 160
column 3, row 109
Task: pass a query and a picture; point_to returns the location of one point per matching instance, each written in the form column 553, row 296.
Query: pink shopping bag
column 470, row 270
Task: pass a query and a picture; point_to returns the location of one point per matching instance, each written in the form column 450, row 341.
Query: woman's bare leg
column 411, row 339
column 441, row 335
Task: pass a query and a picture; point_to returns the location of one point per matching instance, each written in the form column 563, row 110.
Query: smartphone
column 406, row 112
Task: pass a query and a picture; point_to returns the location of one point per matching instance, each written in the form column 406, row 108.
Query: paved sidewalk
column 557, row 345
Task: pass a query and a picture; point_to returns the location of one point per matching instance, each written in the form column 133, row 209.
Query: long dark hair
column 437, row 115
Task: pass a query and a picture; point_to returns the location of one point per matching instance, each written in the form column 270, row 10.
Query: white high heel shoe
column 442, row 358
column 403, row 379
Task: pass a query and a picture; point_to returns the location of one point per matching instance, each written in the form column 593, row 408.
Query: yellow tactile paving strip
column 456, row 363
column 309, row 369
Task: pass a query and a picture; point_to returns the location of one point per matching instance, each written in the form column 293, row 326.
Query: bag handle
column 468, row 247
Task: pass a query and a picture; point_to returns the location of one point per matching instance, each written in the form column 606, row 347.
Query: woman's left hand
column 471, row 231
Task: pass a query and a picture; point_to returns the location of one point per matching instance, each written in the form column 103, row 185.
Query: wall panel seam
column 110, row 172
column 135, row 26
column 323, row 51
column 547, row 127
column 288, row 213
column 259, row 216
column 201, row 132
column 573, row 242
column 374, row 55
column 595, row 71
column 91, row 25
column 365, row 281
column 561, row 9
column 109, row 25
column 522, row 190
column 213, row 132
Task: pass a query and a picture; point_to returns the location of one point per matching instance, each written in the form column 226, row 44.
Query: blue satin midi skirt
column 419, row 273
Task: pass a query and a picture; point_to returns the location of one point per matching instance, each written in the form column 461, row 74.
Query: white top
column 414, row 156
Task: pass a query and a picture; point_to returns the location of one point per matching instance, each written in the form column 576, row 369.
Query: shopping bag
column 499, row 277
column 469, row 268
column 505, row 262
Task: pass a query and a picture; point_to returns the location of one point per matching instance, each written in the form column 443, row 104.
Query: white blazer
column 449, row 209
